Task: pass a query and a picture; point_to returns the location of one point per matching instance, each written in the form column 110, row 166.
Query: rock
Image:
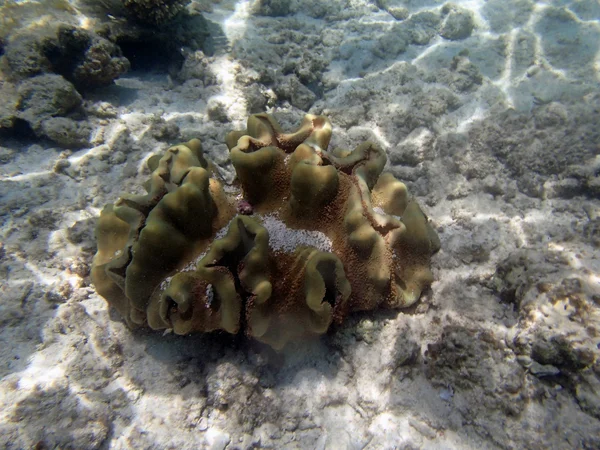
column 591, row 232
column 61, row 165
column 76, row 423
column 86, row 59
column 256, row 99
column 273, row 8
column 81, row 56
column 466, row 74
column 524, row 53
column 398, row 12
column 553, row 114
column 6, row 156
column 459, row 23
column 66, row 132
column 422, row 27
column 392, row 43
column 565, row 40
column 558, row 351
column 493, row 186
column 587, row 393
column 8, row 106
column 543, row 370
column 296, row 93
column 197, row 66
column 217, row 111
column 563, row 188
column 414, row 149
column 103, row 110
column 504, row 15
column 46, row 96
column 25, row 57
column 216, row 439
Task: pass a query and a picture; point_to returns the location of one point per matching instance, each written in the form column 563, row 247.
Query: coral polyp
column 306, row 237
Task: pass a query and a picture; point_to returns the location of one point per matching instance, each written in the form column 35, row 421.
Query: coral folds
column 306, row 236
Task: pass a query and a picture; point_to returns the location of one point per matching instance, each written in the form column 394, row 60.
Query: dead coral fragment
column 328, row 234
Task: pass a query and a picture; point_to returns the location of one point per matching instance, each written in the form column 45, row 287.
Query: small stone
column 61, row 165
column 492, row 186
column 543, row 370
column 66, row 132
column 217, row 440
column 6, row 155
column 59, row 294
column 216, row 111
column 165, row 131
column 103, row 110
column 398, row 12
column 79, row 268
column 202, row 424
column 524, row 360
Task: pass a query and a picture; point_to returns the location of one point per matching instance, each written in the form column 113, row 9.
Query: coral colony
column 310, row 236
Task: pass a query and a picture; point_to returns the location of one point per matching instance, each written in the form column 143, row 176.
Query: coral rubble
column 320, row 234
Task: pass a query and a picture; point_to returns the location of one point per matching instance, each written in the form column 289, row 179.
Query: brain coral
column 307, row 236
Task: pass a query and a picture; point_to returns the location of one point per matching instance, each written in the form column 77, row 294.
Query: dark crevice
column 144, row 209
column 20, row 129
column 172, row 308
column 248, row 239
column 255, row 145
column 400, row 282
column 288, row 146
column 327, row 271
column 215, row 301
column 151, row 55
column 383, row 230
column 233, row 260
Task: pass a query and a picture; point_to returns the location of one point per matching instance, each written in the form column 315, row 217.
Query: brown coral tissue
column 321, row 234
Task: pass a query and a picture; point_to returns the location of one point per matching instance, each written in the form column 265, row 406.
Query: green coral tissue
column 306, row 236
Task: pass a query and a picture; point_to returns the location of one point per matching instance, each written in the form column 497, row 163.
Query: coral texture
column 154, row 12
column 319, row 234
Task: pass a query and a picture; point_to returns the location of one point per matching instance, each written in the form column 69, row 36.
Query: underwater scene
column 299, row 224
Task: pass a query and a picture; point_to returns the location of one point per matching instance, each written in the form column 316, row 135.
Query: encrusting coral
column 308, row 236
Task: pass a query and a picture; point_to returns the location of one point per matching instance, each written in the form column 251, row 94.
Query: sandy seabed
column 488, row 111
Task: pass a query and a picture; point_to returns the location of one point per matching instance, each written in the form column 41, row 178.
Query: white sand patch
column 236, row 25
column 232, row 97
column 283, row 238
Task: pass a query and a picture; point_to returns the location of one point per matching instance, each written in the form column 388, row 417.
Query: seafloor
column 488, row 110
